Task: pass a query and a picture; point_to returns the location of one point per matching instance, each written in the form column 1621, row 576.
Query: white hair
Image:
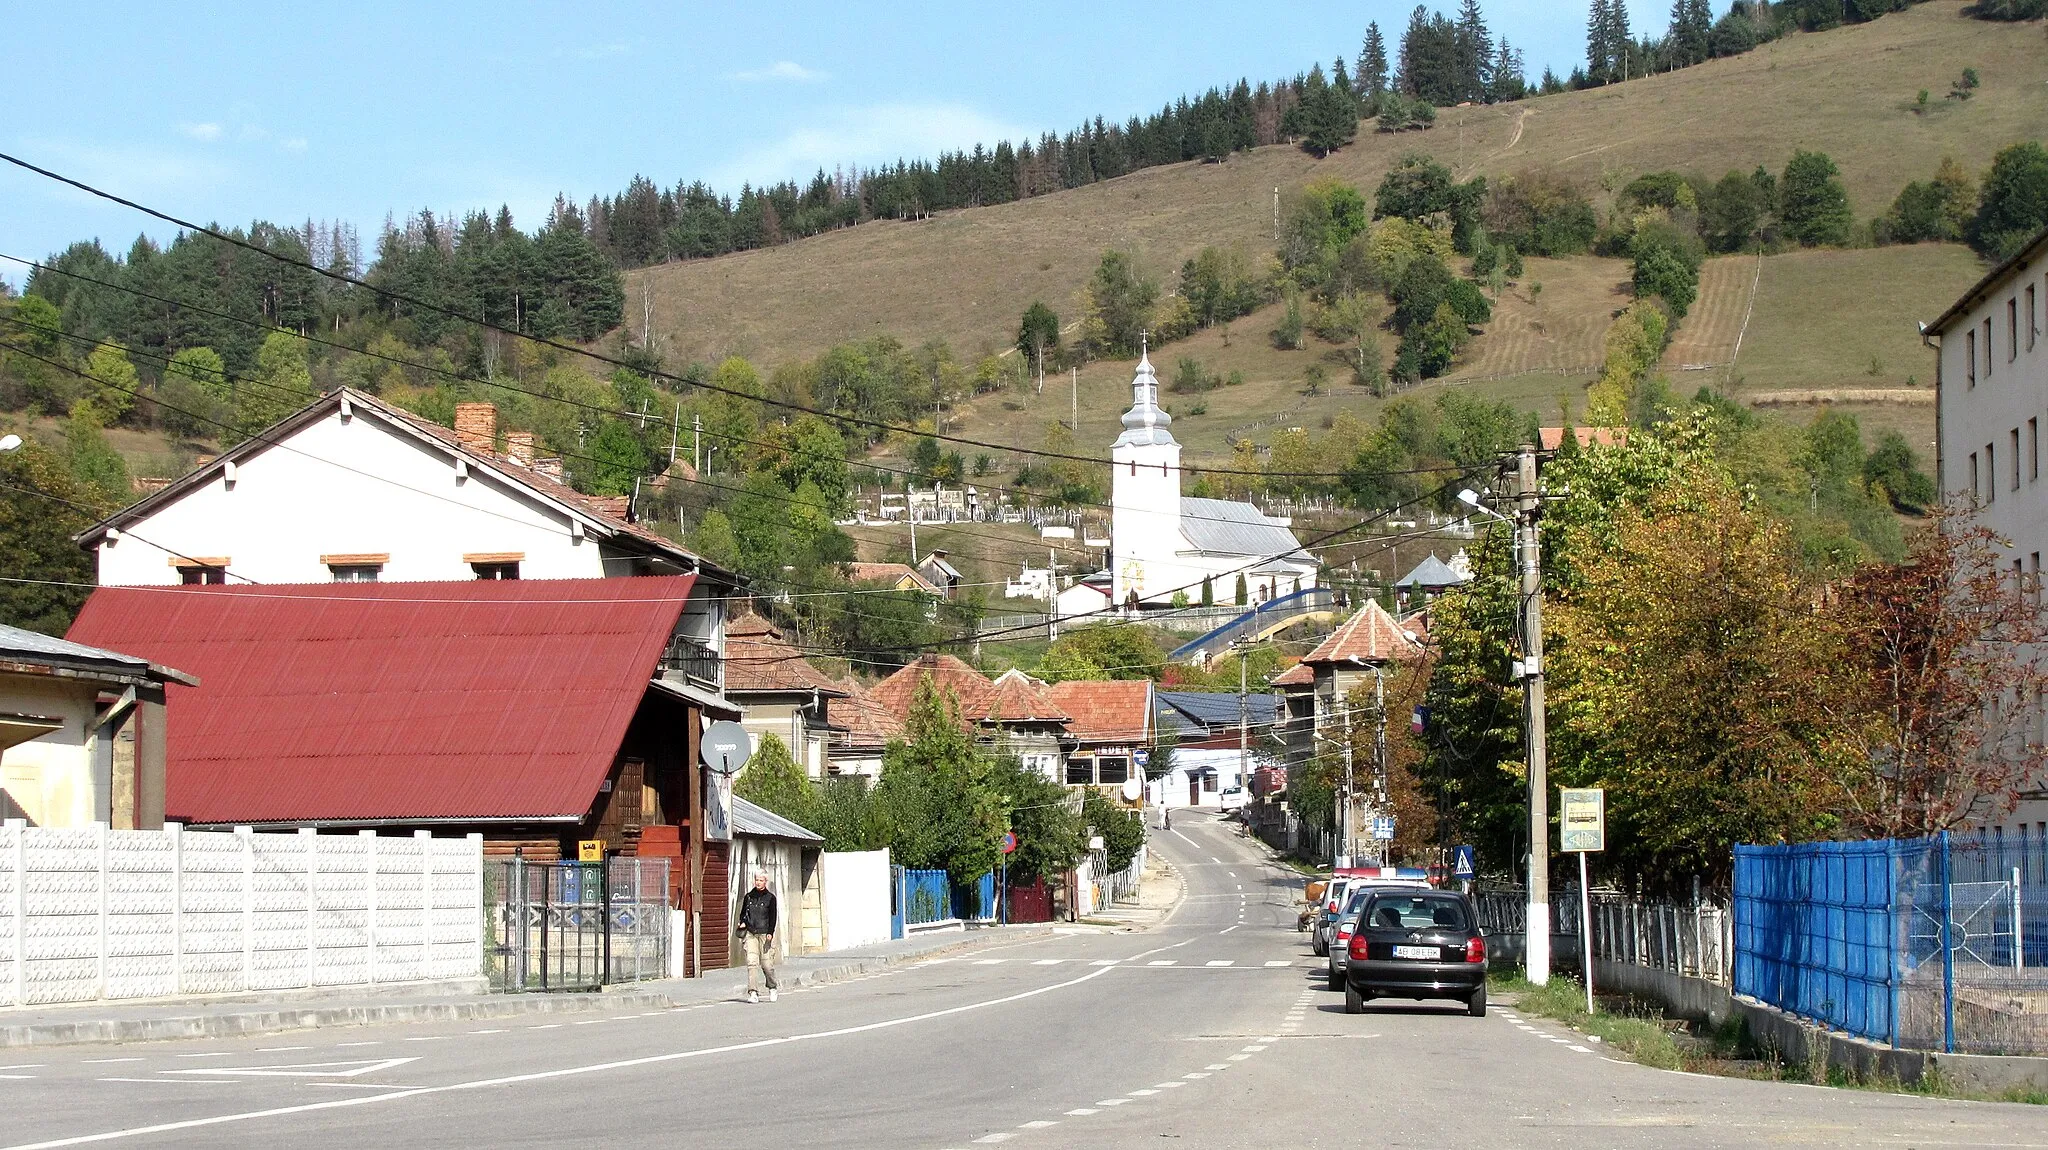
column 760, row 874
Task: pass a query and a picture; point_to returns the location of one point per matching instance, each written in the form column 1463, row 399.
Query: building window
column 1974, row 495
column 1970, row 356
column 2015, row 459
column 201, row 574
column 1987, row 347
column 355, row 572
column 1080, row 772
column 2034, row 577
column 1112, row 770
column 1991, row 473
column 2033, row 449
column 2012, row 329
column 2030, row 317
column 496, row 570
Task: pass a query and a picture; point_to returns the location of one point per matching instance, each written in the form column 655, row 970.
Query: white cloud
column 782, row 70
column 865, row 136
column 205, row 132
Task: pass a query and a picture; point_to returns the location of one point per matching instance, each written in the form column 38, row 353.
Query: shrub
column 1421, row 288
column 1813, row 204
column 1468, row 301
column 2012, row 207
column 1191, row 378
column 1287, row 333
column 1540, row 213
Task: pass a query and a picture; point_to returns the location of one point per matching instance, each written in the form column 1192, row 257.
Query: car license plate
column 1429, row 952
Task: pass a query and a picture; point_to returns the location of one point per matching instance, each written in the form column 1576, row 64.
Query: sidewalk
column 1160, row 890
column 157, row 1019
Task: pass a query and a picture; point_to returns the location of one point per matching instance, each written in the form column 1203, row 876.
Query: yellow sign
column 590, row 850
column 1582, row 821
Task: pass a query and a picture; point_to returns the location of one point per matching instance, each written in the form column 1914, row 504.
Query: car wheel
column 1354, row 1000
column 1336, row 980
column 1476, row 1005
column 1317, row 946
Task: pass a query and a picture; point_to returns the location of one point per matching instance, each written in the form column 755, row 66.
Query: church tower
column 1145, row 532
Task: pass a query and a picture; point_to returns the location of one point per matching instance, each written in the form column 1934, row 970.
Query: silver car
column 1337, row 949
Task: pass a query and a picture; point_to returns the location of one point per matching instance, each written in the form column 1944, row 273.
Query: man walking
column 759, row 917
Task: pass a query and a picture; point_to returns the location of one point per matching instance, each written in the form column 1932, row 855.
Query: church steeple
column 1146, row 421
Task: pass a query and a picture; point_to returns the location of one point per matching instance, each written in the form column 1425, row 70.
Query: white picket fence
column 105, row 914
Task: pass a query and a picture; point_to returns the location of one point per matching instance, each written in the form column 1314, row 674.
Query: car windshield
column 1417, row 912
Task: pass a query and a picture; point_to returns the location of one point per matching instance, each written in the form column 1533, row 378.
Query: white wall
column 1175, row 782
column 353, row 486
column 856, row 898
column 50, row 780
column 1980, row 420
column 1145, row 530
column 141, row 914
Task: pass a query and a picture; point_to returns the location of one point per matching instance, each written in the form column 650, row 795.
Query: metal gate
column 576, row 925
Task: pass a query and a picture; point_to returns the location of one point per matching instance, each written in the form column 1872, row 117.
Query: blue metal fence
column 924, row 897
column 1938, row 943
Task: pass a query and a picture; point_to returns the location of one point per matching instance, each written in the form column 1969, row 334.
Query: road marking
column 380, row 1042
column 1112, row 1102
column 1232, row 874
column 1212, row 858
column 280, row 1049
column 23, row 1066
column 1222, row 961
column 1281, row 962
column 1161, row 962
column 213, row 1054
column 1169, row 1085
column 1196, row 1074
column 175, row 1081
column 1565, row 1041
column 1227, row 930
column 1143, row 1093
column 427, row 1038
column 16, row 1077
column 1239, row 1057
column 1003, row 1136
column 1083, row 1111
column 988, row 962
column 543, row 1075
column 501, row 1031
column 1038, row 1124
column 104, row 1061
column 1217, row 1066
column 1105, row 962
column 305, row 1069
column 1583, row 1049
column 1049, row 962
column 1253, row 1049
column 588, row 1022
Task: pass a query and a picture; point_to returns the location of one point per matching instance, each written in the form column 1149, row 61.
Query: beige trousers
column 760, row 961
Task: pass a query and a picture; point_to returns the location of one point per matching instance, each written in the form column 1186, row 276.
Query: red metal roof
column 394, row 701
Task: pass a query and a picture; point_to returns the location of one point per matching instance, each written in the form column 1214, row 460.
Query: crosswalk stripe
column 1221, row 962
column 1161, row 962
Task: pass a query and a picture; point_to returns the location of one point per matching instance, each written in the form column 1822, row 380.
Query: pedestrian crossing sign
column 1464, row 864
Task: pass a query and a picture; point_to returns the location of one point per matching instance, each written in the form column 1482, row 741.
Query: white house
column 1163, row 543
column 1991, row 397
column 352, row 489
column 81, row 734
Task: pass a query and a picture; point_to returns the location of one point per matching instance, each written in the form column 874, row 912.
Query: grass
column 966, row 276
column 1643, row 1038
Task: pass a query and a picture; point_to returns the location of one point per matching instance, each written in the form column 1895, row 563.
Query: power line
column 861, row 421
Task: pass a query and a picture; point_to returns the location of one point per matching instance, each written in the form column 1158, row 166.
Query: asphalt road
column 1212, row 1029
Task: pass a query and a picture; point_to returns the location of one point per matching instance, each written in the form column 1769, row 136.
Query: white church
column 1163, row 543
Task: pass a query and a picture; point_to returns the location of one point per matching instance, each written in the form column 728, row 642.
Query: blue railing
column 923, row 898
column 1257, row 619
column 1936, row 943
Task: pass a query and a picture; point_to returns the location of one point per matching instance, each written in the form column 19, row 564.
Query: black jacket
column 758, row 914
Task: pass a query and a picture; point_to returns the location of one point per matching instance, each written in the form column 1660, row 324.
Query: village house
column 1110, row 726
column 1313, row 693
column 897, row 576
column 82, row 733
column 862, row 728
column 1015, row 713
column 780, row 693
column 1218, row 738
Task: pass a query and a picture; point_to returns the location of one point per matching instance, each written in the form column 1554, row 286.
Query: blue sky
column 248, row 110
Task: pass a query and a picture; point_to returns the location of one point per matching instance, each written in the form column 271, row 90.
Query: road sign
column 1464, row 864
column 590, row 850
column 1009, row 842
column 1141, row 758
column 1582, row 819
column 1383, row 828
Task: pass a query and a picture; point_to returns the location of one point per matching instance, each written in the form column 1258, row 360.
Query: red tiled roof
column 1299, row 675
column 1371, row 636
column 892, row 573
column 758, row 658
column 1019, row 698
column 400, row 701
column 1551, row 437
column 868, row 723
column 1112, row 711
column 969, row 690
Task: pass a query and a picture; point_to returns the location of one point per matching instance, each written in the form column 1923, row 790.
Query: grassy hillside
column 1820, row 318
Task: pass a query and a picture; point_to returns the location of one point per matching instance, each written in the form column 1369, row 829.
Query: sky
column 241, row 111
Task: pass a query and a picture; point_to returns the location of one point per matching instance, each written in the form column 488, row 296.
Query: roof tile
column 1370, row 636
column 1111, row 711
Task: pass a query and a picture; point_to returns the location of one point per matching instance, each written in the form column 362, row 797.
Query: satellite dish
column 1132, row 789
column 726, row 747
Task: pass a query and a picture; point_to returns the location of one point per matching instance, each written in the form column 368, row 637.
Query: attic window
column 356, row 568
column 201, row 575
column 495, row 564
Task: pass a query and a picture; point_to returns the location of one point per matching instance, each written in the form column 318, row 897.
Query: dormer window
column 200, row 571
column 358, row 568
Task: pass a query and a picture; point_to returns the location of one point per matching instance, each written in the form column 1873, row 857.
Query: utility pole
column 1074, row 386
column 697, row 443
column 1244, row 720
column 1346, row 832
column 1379, row 756
column 1528, row 507
column 675, row 434
column 1276, row 215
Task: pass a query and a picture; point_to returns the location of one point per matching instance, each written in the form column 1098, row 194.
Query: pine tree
column 1475, row 53
column 1599, row 28
column 1622, row 56
column 1407, row 81
column 1371, row 80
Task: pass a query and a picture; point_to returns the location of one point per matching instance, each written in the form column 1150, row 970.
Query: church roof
column 1431, row 572
column 1371, row 636
column 1145, row 423
column 1227, row 527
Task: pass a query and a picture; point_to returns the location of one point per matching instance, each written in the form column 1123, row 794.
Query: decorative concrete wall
column 104, row 914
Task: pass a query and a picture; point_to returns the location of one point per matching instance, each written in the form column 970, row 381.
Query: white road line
column 1228, row 929
column 1003, row 1136
column 1231, row 873
column 501, row 1031
column 1112, row 1102
column 1253, row 1049
column 1038, row 1124
column 1169, row 1085
column 1583, row 1049
column 1239, row 1057
column 212, row 1054
column 23, row 1066
column 1565, row 1041
column 1196, row 1074
column 430, row 1038
column 175, row 1081
column 988, row 962
column 1143, row 1093
column 380, row 1042
column 1281, row 962
column 1049, row 962
column 1161, row 962
column 1212, row 858
column 1105, row 962
column 104, row 1061
column 545, row 1075
column 16, row 1077
column 1222, row 961
column 1217, row 1066
column 280, row 1049
column 1082, row 1111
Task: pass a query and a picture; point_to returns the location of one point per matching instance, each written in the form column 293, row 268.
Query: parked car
column 1345, row 924
column 1231, row 798
column 1333, row 901
column 1416, row 944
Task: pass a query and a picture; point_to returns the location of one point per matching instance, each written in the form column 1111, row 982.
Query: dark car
column 1417, row 944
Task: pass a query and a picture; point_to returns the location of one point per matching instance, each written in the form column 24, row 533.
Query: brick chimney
column 550, row 467
column 476, row 427
column 519, row 447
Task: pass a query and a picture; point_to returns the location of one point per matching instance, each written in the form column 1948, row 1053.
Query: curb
column 277, row 1020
